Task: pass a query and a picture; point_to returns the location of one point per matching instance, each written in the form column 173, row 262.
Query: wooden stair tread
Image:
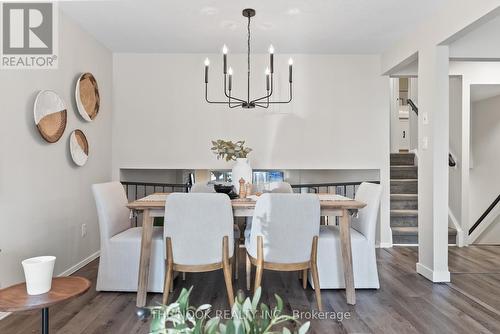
column 404, row 196
column 404, row 213
column 413, row 230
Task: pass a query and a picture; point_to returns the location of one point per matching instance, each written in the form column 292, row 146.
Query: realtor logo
column 28, row 35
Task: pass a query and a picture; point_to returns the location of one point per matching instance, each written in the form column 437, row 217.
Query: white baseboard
column 66, row 272
column 432, row 275
column 80, row 264
column 384, row 245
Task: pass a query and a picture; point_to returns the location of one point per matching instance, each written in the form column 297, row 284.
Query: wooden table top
column 16, row 298
column 250, row 204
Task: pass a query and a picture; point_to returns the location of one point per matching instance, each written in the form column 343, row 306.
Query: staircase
column 404, row 200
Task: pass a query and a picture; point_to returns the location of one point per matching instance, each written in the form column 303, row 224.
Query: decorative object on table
column 87, row 96
column 247, row 316
column 249, row 188
column 228, row 151
column 243, row 189
column 50, row 115
column 241, row 170
column 79, row 147
column 15, row 298
column 225, row 188
column 262, row 102
column 38, row 273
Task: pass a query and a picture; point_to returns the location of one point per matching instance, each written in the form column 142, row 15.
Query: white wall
column 472, row 73
column 44, row 197
column 455, row 173
column 413, row 95
column 485, row 177
column 339, row 118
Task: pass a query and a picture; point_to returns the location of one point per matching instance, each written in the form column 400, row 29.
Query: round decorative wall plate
column 78, row 147
column 87, row 96
column 50, row 115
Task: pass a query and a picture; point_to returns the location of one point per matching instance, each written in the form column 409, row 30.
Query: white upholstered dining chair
column 202, row 187
column 121, row 243
column 209, row 188
column 363, row 227
column 275, row 188
column 284, row 236
column 199, row 236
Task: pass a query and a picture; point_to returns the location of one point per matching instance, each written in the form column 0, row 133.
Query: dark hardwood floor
column 405, row 303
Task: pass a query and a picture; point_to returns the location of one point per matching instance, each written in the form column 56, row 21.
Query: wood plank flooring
column 405, row 303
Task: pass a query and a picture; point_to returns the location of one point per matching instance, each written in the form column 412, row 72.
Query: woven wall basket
column 79, row 147
column 87, row 96
column 50, row 115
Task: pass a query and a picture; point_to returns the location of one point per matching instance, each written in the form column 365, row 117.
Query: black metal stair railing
column 484, row 215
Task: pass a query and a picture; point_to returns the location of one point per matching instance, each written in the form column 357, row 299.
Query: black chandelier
column 262, row 102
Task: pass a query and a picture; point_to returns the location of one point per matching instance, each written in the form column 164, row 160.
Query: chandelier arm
column 283, row 102
column 228, row 95
column 234, row 106
column 268, row 95
column 265, row 106
column 213, row 102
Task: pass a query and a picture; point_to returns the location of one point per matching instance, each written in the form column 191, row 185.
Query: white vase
column 241, row 169
column 38, row 273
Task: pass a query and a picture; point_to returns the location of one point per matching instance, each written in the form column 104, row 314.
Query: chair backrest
column 280, row 187
column 366, row 221
column 288, row 224
column 202, row 188
column 197, row 224
column 111, row 201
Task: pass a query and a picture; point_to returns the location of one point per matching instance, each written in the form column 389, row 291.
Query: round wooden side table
column 16, row 298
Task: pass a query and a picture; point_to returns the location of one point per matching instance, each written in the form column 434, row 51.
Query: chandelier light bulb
column 207, row 61
column 230, row 71
column 290, row 61
column 224, row 49
column 267, row 71
column 271, row 49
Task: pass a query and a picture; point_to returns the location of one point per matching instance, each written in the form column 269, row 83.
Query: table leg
column 147, row 235
column 45, row 320
column 345, row 241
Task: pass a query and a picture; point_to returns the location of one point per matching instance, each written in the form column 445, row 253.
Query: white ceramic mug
column 38, row 273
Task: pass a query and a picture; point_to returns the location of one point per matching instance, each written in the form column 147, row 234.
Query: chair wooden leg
column 314, row 271
column 226, row 267
column 260, row 263
column 304, row 279
column 169, row 263
column 248, row 271
column 236, row 258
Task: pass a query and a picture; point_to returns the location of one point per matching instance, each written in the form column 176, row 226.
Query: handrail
column 451, row 160
column 413, row 106
column 486, row 213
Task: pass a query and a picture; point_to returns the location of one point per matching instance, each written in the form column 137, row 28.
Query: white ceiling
column 292, row 26
column 483, row 92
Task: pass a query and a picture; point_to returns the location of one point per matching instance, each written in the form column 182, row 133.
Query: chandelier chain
column 248, row 60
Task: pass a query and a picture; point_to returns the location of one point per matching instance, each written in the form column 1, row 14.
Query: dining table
column 332, row 205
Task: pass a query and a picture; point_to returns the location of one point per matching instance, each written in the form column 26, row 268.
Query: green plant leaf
column 279, row 303
column 256, row 298
column 304, row 328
